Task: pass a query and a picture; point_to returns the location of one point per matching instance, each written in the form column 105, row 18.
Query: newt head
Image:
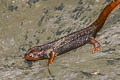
column 34, row 54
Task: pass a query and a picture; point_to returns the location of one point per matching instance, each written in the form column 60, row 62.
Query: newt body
column 73, row 40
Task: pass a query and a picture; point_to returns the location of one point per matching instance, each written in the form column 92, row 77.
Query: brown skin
column 73, row 40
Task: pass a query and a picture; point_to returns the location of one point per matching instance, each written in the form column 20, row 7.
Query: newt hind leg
column 96, row 45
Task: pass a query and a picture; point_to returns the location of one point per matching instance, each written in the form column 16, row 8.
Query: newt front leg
column 52, row 57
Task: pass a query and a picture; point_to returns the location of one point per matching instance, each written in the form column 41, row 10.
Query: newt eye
column 40, row 49
column 31, row 55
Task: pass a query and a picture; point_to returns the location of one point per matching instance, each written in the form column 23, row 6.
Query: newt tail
column 73, row 40
column 104, row 14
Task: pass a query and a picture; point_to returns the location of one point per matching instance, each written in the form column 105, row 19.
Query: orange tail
column 105, row 13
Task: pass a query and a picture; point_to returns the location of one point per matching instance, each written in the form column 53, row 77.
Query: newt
column 73, row 40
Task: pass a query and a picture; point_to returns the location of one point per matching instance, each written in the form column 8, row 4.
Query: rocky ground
column 27, row 23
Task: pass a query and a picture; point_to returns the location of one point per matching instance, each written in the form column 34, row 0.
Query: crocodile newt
column 72, row 41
